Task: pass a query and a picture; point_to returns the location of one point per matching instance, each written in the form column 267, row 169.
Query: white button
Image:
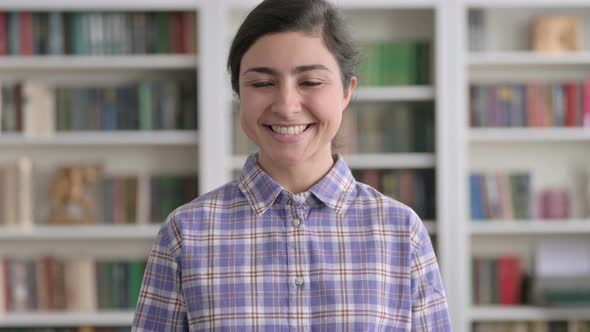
column 295, row 222
column 299, row 281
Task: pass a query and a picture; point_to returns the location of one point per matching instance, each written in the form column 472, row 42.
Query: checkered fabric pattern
column 251, row 256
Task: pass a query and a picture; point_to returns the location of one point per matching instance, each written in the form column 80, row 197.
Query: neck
column 297, row 177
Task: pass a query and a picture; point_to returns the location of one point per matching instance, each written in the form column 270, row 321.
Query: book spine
column 3, row 33
column 586, row 121
column 26, row 33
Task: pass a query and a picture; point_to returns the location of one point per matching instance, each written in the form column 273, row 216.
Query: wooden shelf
column 546, row 227
column 409, row 93
column 375, row 161
column 67, row 319
column 80, row 232
column 149, row 62
column 516, row 313
column 112, row 138
column 525, row 58
column 541, row 135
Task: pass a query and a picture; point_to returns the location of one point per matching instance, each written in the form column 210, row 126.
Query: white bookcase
column 141, row 153
column 549, row 154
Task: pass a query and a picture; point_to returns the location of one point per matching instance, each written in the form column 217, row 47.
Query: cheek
column 328, row 110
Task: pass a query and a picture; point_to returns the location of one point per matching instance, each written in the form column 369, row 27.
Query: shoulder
column 394, row 214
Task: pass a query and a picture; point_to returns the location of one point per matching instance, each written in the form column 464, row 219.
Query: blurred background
column 476, row 113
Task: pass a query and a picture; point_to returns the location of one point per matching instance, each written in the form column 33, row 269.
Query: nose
column 287, row 101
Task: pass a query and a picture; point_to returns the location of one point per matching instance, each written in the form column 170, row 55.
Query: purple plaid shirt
column 250, row 256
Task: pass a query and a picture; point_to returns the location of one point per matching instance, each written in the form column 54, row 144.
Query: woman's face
column 291, row 98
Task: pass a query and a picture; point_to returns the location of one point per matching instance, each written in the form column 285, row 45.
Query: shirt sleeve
column 161, row 305
column 429, row 303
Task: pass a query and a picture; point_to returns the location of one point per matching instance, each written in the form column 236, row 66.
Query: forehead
column 286, row 50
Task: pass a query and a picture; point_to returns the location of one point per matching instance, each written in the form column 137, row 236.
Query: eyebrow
column 296, row 70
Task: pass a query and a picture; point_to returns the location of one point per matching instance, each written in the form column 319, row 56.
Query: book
column 510, row 279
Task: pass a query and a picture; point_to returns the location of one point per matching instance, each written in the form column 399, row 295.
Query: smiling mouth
column 289, row 130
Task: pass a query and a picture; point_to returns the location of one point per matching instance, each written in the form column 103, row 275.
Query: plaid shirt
column 251, row 256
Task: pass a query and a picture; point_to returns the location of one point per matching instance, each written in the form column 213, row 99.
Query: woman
column 296, row 243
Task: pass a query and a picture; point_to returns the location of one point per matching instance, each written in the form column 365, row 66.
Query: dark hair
column 315, row 17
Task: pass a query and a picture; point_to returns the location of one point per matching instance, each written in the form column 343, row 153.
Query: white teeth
column 293, row 130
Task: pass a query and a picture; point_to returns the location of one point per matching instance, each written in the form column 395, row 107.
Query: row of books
column 498, row 280
column 97, row 33
column 534, row 326
column 415, row 188
column 388, row 128
column 114, row 199
column 500, row 196
column 67, row 329
column 39, row 109
column 389, row 63
column 535, row 104
column 73, row 284
column 119, row 200
column 167, row 192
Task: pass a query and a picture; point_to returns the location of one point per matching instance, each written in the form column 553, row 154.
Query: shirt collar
column 261, row 191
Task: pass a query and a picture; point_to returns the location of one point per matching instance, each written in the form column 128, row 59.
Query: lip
column 288, row 124
column 289, row 139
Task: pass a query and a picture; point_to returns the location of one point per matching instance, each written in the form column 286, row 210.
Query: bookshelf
column 142, row 153
column 549, row 153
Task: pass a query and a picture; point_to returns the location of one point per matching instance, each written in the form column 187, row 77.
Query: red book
column 532, row 105
column 586, row 117
column 45, row 284
column 178, row 31
column 26, row 33
column 407, row 185
column 571, row 104
column 175, row 33
column 510, row 279
column 3, row 34
column 190, row 32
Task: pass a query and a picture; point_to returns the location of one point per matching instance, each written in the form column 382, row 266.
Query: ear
column 349, row 91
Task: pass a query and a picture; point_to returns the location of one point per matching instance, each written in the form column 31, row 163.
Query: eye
column 311, row 83
column 262, row 84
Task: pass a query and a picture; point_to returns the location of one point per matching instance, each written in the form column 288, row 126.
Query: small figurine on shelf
column 555, row 34
column 70, row 199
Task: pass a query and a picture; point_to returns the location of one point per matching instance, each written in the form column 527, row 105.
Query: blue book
column 109, row 110
column 56, row 33
column 475, row 194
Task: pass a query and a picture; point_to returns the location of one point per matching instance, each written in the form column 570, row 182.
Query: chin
column 286, row 158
